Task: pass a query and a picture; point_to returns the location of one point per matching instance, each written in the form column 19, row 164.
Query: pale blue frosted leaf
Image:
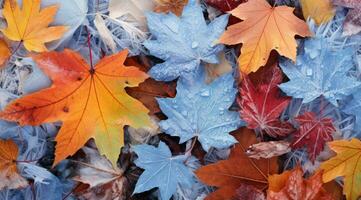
column 183, row 42
column 322, row 68
column 353, row 107
column 201, row 111
column 161, row 170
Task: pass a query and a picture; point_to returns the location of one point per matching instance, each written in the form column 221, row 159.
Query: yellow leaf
column 30, row 24
column 265, row 28
column 321, row 10
column 91, row 102
column 9, row 176
column 346, row 163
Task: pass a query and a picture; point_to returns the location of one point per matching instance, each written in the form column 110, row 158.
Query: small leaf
column 321, row 11
column 174, row 6
column 4, row 52
column 9, row 175
column 268, row 149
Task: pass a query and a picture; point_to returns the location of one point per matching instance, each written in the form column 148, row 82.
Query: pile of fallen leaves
column 180, row 99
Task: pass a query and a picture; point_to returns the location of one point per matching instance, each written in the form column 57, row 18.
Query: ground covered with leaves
column 180, row 99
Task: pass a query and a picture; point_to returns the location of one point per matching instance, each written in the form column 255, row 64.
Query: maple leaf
column 322, row 70
column 346, row 163
column 228, row 175
column 90, row 101
column 99, row 173
column 201, row 111
column 290, row 185
column 30, row 25
column 174, row 6
column 264, row 28
column 4, row 52
column 353, row 108
column 352, row 24
column 321, row 11
column 261, row 104
column 313, row 133
column 183, row 42
column 162, row 170
column 10, row 177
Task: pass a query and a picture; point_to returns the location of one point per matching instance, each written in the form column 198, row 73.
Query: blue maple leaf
column 162, row 170
column 322, row 68
column 201, row 111
column 183, row 42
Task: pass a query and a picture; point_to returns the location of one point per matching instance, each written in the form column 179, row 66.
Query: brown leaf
column 249, row 192
column 9, row 175
column 229, row 175
column 174, row 6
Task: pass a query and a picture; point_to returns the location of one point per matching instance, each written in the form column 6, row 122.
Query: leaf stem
column 90, row 50
column 26, row 161
column 16, row 49
column 188, row 152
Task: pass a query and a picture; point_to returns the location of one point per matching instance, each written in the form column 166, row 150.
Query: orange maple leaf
column 290, row 185
column 9, row 176
column 229, row 175
column 4, row 52
column 30, row 25
column 90, row 102
column 264, row 28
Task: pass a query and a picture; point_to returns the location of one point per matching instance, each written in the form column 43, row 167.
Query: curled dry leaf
column 228, row 175
column 174, row 6
column 265, row 28
column 4, row 52
column 30, row 24
column 9, row 175
column 90, row 101
column 268, row 149
column 290, row 185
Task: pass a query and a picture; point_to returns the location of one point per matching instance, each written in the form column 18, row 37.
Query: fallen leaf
column 264, row 28
column 4, row 52
column 90, row 102
column 352, row 24
column 174, row 6
column 321, row 11
column 268, row 149
column 290, row 185
column 249, row 192
column 347, row 164
column 261, row 103
column 99, row 173
column 9, row 175
column 30, row 24
column 228, row 175
column 313, row 133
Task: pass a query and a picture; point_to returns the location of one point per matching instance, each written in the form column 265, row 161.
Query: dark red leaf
column 313, row 133
column 261, row 102
column 225, row 5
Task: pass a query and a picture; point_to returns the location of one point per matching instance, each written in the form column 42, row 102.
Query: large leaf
column 265, row 28
column 183, row 42
column 313, row 133
column 90, row 102
column 30, row 25
column 228, row 175
column 202, row 111
column 261, row 103
column 346, row 163
column 161, row 170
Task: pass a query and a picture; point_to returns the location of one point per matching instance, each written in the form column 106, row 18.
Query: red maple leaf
column 313, row 133
column 261, row 102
